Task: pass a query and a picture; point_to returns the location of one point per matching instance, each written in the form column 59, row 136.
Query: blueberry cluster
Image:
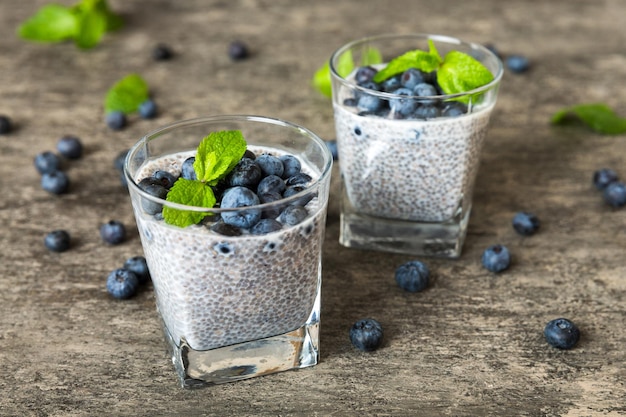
column 414, row 92
column 254, row 181
column 49, row 164
column 124, row 282
column 613, row 190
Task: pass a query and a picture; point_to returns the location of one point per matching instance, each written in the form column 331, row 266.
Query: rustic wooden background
column 470, row 345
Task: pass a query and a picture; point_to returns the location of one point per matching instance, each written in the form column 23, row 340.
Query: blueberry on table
column 615, row 194
column 6, row 126
column 162, row 52
column 57, row 241
column 115, row 120
column 561, row 333
column 517, row 63
column 238, row 50
column 603, row 177
column 55, row 182
column 366, row 334
column 113, row 232
column 46, row 162
column 526, row 224
column 70, row 147
column 496, row 258
column 139, row 266
column 413, row 276
column 122, row 283
column 148, row 109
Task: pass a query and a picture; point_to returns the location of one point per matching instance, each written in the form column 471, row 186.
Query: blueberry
column 496, row 258
column 238, row 50
column 411, row 78
column 46, row 162
column 298, row 179
column 392, row 83
column 57, row 241
column 615, row 194
column 366, row 335
column 561, row 333
column 237, row 197
column 525, row 224
column 155, row 188
column 161, row 52
column 332, row 147
column 517, row 63
column 364, row 74
column 265, row 226
column 247, row 173
column 165, row 178
column 225, row 229
column 139, row 266
column 5, row 125
column 293, row 215
column 426, row 111
column 295, row 189
column 291, row 165
column 403, row 106
column 369, row 102
column 425, row 90
column 273, row 211
column 249, row 154
column 148, row 109
column 603, row 177
column 187, row 171
column 271, row 184
column 122, row 283
column 270, row 165
column 454, row 109
column 113, row 232
column 70, row 147
column 115, row 120
column 55, row 182
column 413, row 276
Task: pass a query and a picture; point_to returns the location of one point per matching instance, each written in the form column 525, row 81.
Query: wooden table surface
column 471, row 344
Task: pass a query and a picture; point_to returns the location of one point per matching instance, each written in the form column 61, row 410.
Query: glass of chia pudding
column 411, row 113
column 231, row 212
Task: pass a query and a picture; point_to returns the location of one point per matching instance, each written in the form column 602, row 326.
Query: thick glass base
column 298, row 348
column 362, row 231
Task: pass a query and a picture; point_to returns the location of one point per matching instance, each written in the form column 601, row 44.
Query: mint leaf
column 127, row 94
column 190, row 193
column 51, row 23
column 461, row 72
column 92, row 26
column 217, row 155
column 421, row 60
column 599, row 117
column 322, row 79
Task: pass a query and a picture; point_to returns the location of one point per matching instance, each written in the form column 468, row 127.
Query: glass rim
column 314, row 184
column 424, row 36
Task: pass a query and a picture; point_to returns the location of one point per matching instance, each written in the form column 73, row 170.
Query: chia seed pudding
column 214, row 290
column 416, row 170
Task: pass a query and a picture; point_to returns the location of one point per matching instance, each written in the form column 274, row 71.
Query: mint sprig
column 127, row 94
column 597, row 116
column 85, row 23
column 217, row 154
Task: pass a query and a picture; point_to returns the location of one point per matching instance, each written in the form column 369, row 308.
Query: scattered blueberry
column 238, row 50
column 603, row 177
column 291, row 165
column 161, row 52
column 265, row 226
column 270, row 165
column 246, row 173
column 57, row 241
column 496, row 258
column 122, row 283
column 615, row 194
column 55, row 182
column 113, row 232
column 517, row 63
column 148, row 109
column 293, row 215
column 115, row 120
column 561, row 333
column 366, row 335
column 5, row 125
column 413, row 276
column 525, row 223
column 332, row 147
column 139, row 266
column 47, row 162
column 187, row 171
column 70, row 147
column 237, row 197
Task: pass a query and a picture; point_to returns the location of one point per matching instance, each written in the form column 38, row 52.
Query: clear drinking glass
column 408, row 163
column 234, row 307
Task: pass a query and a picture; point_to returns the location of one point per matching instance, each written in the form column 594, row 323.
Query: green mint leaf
column 217, row 155
column 421, row 60
column 127, row 94
column 190, row 193
column 51, row 23
column 461, row 72
column 321, row 78
column 91, row 28
column 599, row 117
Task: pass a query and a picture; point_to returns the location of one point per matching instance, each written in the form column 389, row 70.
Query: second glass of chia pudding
column 232, row 233
column 411, row 114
